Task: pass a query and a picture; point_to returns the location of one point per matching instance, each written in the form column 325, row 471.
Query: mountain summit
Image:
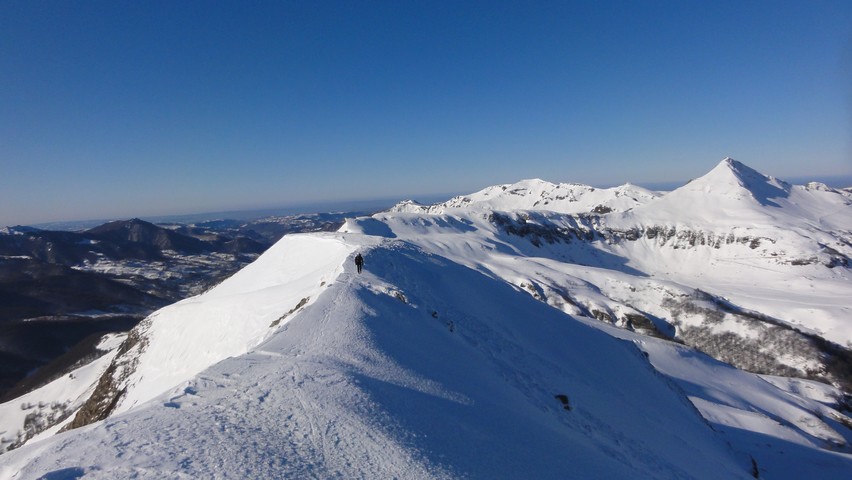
column 734, row 195
column 731, row 178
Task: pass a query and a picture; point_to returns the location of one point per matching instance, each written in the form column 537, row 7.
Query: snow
column 65, row 395
column 733, row 195
column 445, row 358
column 536, row 194
column 810, row 297
column 364, row 384
column 792, row 224
column 233, row 317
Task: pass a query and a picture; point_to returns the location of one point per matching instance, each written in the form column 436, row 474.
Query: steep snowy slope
column 769, row 247
column 177, row 342
column 733, row 195
column 660, row 290
column 421, row 368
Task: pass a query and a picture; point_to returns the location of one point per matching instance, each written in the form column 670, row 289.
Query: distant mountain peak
column 737, row 168
column 139, row 231
column 122, row 224
column 538, row 194
column 731, row 177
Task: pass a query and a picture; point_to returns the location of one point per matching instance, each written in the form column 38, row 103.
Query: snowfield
column 512, row 333
column 233, row 317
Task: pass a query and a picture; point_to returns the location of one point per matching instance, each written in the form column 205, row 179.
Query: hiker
column 359, row 262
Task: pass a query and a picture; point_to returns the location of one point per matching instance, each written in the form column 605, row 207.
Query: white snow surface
column 233, row 317
column 444, row 359
column 368, row 382
column 733, row 195
column 536, row 194
column 789, row 233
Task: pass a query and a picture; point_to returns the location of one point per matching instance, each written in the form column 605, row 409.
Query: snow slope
column 425, row 368
column 53, row 405
column 420, row 368
column 489, row 343
column 768, row 246
column 233, row 317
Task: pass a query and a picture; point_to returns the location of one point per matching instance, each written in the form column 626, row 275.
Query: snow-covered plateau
column 531, row 330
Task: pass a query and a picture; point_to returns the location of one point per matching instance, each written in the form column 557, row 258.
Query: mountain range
column 530, row 330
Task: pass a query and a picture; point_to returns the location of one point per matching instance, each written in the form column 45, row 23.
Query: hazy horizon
column 354, row 205
column 116, row 109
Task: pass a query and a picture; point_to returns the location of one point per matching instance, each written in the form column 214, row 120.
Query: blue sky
column 117, row 109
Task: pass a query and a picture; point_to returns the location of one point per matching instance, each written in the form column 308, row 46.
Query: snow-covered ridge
column 731, row 195
column 423, row 367
column 538, row 194
column 771, row 247
column 233, row 317
column 759, row 299
column 177, row 342
column 733, row 177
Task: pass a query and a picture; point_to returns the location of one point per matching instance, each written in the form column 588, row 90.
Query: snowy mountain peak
column 537, row 194
column 731, row 177
column 732, row 193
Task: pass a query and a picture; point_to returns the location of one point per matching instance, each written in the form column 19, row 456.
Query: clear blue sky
column 115, row 109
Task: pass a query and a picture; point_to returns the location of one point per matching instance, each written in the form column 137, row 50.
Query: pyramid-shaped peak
column 734, row 165
column 731, row 172
column 739, row 169
column 733, row 178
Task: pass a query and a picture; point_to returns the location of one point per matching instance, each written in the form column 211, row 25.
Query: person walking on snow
column 359, row 262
